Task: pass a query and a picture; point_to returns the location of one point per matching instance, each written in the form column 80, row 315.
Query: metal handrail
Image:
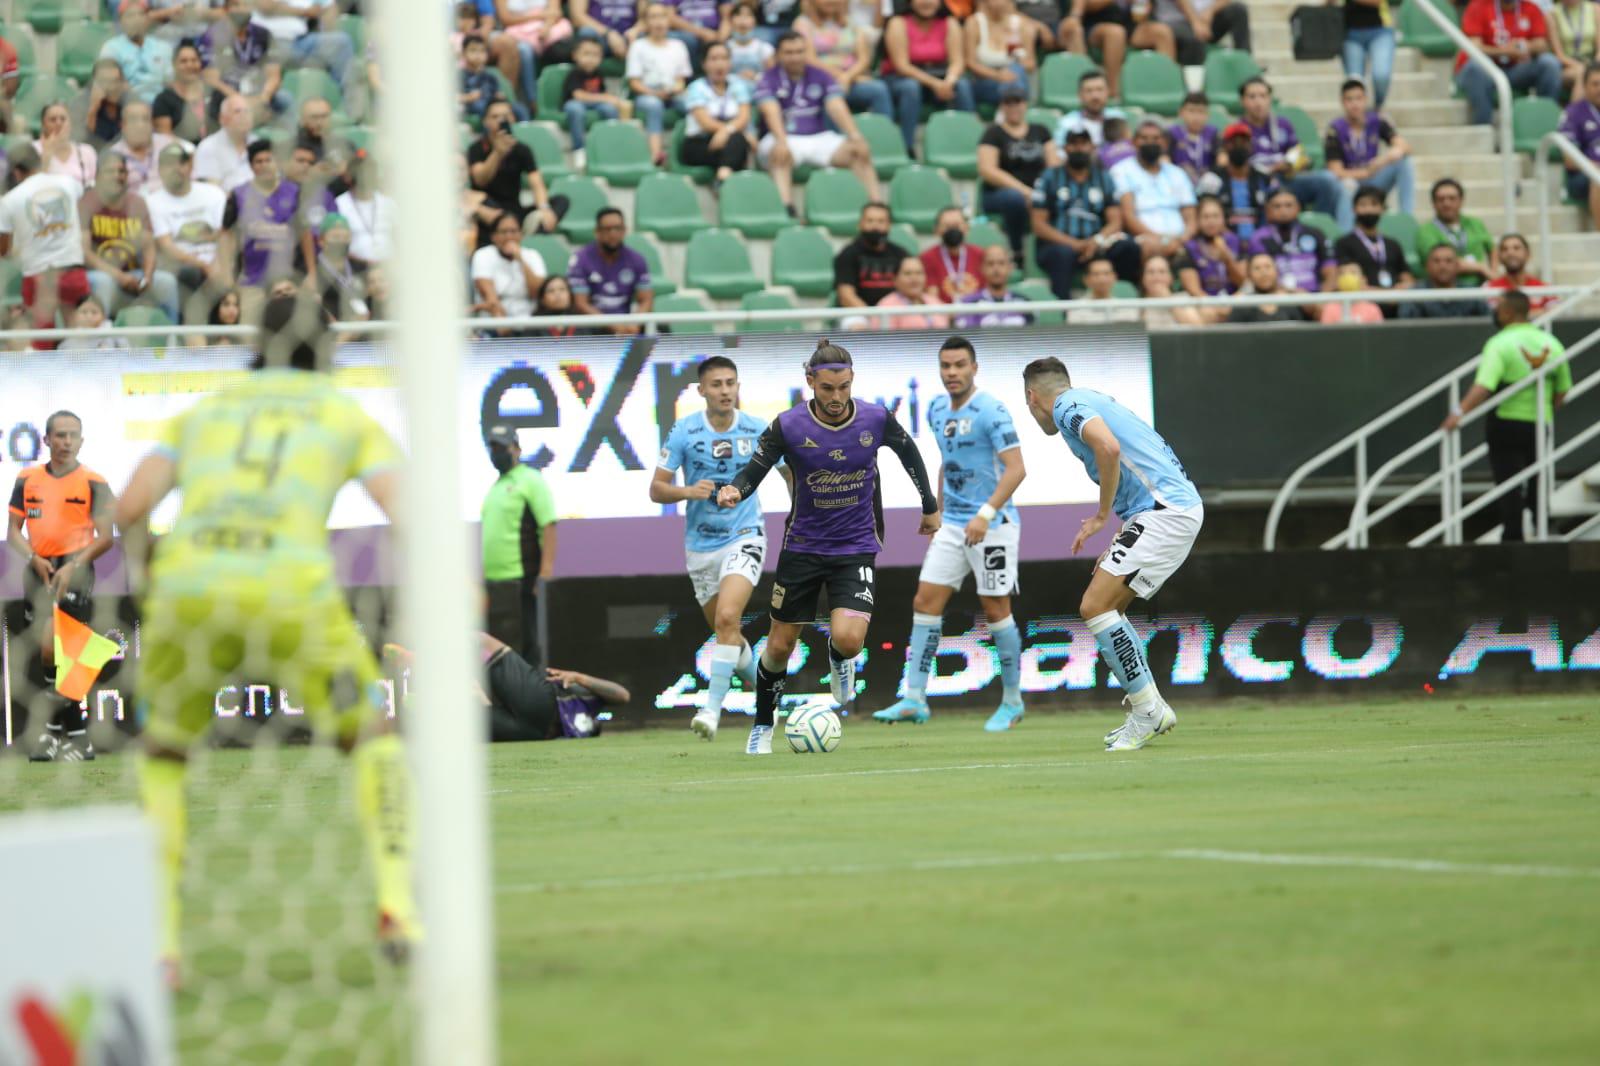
column 1541, row 177
column 1502, row 87
column 1357, row 438
column 1355, row 535
column 737, row 317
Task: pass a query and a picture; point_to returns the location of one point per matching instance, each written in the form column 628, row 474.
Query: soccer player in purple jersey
column 835, row 525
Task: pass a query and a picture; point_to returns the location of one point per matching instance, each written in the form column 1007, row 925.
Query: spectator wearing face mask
column 1242, row 190
column 1442, row 270
column 1262, row 270
column 1381, row 259
column 951, row 264
column 1362, row 148
column 1277, row 151
column 864, row 270
column 1157, row 197
column 1077, row 217
column 1303, row 258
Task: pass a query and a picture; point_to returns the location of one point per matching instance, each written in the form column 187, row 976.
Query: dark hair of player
column 1517, row 302
column 51, row 421
column 959, row 344
column 828, row 353
column 294, row 334
column 1048, row 367
column 715, row 362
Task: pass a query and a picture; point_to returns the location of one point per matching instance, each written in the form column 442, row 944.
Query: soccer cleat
column 77, row 749
column 905, row 709
column 1140, row 729
column 396, row 937
column 705, row 725
column 842, row 682
column 1167, row 720
column 47, row 750
column 1005, row 716
column 760, row 742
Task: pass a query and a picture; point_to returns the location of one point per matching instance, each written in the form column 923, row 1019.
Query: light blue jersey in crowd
column 970, row 441
column 706, row 455
column 1151, row 473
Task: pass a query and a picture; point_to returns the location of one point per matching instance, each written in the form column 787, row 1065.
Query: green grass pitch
column 1411, row 881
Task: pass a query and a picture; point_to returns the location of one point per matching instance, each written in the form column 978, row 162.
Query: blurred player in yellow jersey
column 244, row 589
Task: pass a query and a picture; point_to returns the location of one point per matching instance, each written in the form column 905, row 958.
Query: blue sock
column 925, row 637
column 1008, row 642
column 723, row 659
column 1123, row 652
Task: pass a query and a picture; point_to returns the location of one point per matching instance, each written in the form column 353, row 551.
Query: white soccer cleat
column 842, row 683
column 1166, row 719
column 704, row 725
column 760, row 742
column 1140, row 729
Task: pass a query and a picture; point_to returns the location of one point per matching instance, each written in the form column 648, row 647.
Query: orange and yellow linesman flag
column 81, row 654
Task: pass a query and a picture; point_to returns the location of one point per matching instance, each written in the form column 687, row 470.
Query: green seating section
column 917, row 194
column 545, row 144
column 769, row 301
column 1226, row 70
column 79, row 46
column 802, row 259
column 666, row 205
column 659, row 280
column 1531, row 118
column 1152, row 82
column 834, row 199
column 1058, row 79
column 750, row 204
column 585, row 198
column 718, row 263
column 951, row 142
column 619, row 153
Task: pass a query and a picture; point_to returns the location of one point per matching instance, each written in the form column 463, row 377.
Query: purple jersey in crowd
column 801, row 99
column 993, row 318
column 1114, row 152
column 619, row 15
column 1581, row 123
column 1212, row 270
column 1196, row 153
column 610, row 285
column 1269, row 143
column 838, row 505
column 267, row 228
column 1300, row 255
column 700, row 12
column 1357, row 148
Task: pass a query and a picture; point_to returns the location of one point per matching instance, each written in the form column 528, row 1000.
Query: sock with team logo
column 724, row 657
column 1008, row 643
column 769, row 690
column 1123, row 652
column 745, row 668
column 924, row 648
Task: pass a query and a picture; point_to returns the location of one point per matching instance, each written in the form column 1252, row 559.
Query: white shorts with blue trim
column 1150, row 547
column 739, row 557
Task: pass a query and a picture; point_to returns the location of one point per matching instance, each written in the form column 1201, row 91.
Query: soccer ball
column 813, row 729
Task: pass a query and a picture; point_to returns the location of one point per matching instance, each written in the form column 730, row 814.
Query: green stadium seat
column 143, row 315
column 1531, row 118
column 986, row 235
column 1403, row 228
column 1153, row 82
column 10, row 282
column 1124, row 290
column 902, row 234
column 718, row 263
column 645, row 246
column 41, row 91
column 950, row 141
column 1419, row 32
column 1226, row 70
column 355, row 28
column 585, row 199
column 769, row 301
column 1220, row 116
column 666, row 205
column 1045, row 116
column 1058, row 79
column 311, row 83
column 684, row 302
column 802, row 259
column 917, row 195
column 676, row 165
column 1305, row 129
column 619, row 153
column 1319, row 221
column 545, row 144
column 888, row 147
column 20, row 37
column 834, row 199
column 79, row 46
column 1034, row 289
column 361, row 138
column 45, row 16
column 552, row 248
column 551, row 79
column 749, row 203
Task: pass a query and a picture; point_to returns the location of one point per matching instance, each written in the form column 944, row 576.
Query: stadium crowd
column 214, row 153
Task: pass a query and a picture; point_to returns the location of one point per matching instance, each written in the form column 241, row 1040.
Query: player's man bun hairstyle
column 829, row 354
column 294, row 334
column 1047, row 369
column 715, row 362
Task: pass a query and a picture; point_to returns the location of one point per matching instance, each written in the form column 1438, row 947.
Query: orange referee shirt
column 59, row 512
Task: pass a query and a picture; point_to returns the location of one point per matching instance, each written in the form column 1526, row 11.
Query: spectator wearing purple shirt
column 696, row 23
column 1193, row 137
column 264, row 228
column 1275, row 150
column 615, row 23
column 1303, row 255
column 1362, row 148
column 1581, row 124
column 607, row 277
column 239, row 61
column 996, row 270
column 797, row 101
column 1211, row 264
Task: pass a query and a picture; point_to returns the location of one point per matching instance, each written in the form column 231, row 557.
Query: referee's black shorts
column 38, row 599
column 801, row 577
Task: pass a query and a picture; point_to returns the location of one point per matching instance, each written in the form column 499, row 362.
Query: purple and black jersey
column 838, row 503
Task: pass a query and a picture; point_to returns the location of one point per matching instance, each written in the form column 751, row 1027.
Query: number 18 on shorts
column 993, row 562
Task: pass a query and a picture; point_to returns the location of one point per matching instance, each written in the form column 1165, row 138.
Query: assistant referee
column 519, row 545
column 65, row 510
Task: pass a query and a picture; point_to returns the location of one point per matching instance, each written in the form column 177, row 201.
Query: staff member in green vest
column 1519, row 349
column 519, row 545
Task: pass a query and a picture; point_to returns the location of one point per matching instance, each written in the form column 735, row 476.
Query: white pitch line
column 1372, row 862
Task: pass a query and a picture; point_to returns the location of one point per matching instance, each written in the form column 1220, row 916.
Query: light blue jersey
column 1151, row 473
column 970, row 441
column 706, row 455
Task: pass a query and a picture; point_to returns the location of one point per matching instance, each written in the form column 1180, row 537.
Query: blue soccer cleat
column 1005, row 716
column 904, row 709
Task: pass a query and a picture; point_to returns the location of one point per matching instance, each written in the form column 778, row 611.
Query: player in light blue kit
column 981, row 469
column 1143, row 482
column 724, row 546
